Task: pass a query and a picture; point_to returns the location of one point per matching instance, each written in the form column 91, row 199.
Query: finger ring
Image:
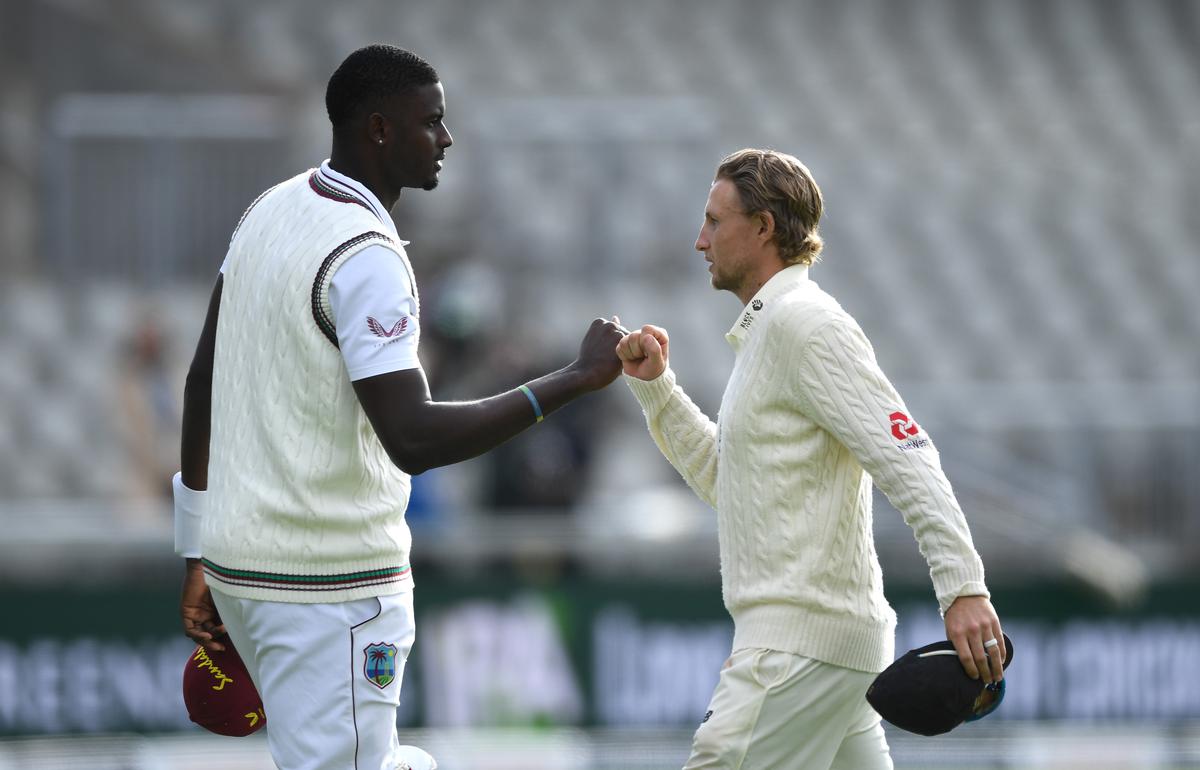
column 990, row 643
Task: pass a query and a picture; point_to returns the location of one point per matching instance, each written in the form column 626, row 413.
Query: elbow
column 410, row 466
column 407, row 458
column 197, row 384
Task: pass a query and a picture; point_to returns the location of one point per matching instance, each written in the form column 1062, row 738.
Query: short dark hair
column 371, row 74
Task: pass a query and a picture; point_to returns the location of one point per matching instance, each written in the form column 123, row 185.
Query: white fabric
column 189, row 516
column 373, row 285
column 805, row 426
column 359, row 190
column 375, row 309
column 308, row 662
column 304, row 503
column 778, row 711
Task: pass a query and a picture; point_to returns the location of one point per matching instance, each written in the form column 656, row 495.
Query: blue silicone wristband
column 537, row 408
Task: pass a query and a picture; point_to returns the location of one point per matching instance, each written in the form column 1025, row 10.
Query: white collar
column 782, row 282
column 359, row 190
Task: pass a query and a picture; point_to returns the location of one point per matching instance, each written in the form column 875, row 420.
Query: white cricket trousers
column 777, row 711
column 328, row 677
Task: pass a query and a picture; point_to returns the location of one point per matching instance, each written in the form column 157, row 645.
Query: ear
column 378, row 128
column 766, row 225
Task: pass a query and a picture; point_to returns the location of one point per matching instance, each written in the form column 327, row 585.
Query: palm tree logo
column 380, row 664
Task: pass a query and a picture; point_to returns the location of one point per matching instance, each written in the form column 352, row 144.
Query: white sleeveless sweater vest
column 304, row 503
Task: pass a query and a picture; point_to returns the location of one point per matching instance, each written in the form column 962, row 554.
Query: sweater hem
column 307, row 587
column 854, row 642
column 302, row 597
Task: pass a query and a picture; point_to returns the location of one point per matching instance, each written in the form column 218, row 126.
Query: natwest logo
column 903, row 428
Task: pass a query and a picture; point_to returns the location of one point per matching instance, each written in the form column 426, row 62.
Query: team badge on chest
column 380, row 664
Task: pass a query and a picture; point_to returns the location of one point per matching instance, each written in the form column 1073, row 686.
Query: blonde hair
column 772, row 181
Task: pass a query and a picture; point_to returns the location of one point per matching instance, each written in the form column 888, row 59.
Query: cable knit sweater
column 807, row 422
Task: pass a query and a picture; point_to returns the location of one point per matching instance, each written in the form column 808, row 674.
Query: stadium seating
column 1009, row 187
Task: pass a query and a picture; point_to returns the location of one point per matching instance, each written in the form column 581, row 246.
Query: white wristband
column 189, row 514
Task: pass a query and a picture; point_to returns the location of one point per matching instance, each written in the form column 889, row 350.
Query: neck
column 755, row 281
column 356, row 166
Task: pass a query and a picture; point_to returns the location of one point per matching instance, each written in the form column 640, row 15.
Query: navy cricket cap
column 926, row 691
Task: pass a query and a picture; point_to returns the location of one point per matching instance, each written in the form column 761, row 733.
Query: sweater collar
column 787, row 279
column 336, row 185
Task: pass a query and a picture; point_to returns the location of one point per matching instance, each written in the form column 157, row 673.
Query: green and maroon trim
column 325, row 190
column 324, row 322
column 289, row 582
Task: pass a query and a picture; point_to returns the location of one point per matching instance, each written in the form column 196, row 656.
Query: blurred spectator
column 546, row 468
column 148, row 396
column 471, row 347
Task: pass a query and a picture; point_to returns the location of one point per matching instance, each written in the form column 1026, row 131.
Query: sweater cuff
column 653, row 394
column 950, row 587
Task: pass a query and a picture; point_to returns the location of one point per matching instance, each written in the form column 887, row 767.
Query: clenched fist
column 595, row 362
column 643, row 353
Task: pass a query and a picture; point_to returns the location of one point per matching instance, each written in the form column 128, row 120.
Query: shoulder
column 802, row 313
column 377, row 258
column 267, row 198
column 813, row 320
column 372, row 249
column 285, row 189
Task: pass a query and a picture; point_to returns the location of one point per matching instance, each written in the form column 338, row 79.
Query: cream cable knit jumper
column 807, row 422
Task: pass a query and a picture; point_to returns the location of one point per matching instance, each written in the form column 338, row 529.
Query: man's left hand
column 971, row 623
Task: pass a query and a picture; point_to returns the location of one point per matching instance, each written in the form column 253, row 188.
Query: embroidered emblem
column 757, row 304
column 203, row 661
column 380, row 664
column 379, row 330
column 747, row 319
column 707, row 715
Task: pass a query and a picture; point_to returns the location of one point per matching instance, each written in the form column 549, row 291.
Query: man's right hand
column 596, row 363
column 644, row 354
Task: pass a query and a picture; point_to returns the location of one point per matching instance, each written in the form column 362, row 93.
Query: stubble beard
column 723, row 282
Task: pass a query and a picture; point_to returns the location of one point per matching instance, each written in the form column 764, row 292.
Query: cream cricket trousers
column 777, row 711
column 329, row 676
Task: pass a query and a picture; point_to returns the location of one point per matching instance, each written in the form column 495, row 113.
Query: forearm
column 193, row 450
column 684, row 435
column 923, row 495
column 436, row 434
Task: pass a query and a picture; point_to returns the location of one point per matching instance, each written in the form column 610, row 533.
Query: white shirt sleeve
column 375, row 313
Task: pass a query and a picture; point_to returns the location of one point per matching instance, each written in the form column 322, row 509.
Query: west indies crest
column 379, row 665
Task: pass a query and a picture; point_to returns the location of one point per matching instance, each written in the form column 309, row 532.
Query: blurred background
column 1011, row 193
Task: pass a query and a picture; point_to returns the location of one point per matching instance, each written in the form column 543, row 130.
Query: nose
column 446, row 139
column 702, row 243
